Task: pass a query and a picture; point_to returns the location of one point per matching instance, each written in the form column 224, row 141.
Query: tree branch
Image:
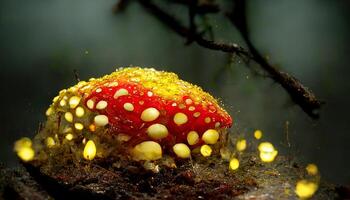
column 297, row 91
column 185, row 32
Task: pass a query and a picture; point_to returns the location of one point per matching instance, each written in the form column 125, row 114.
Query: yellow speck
column 258, row 134
column 180, row 118
column 234, row 164
column 24, row 150
column 241, row 145
column 79, row 126
column 182, row 150
column 101, row 105
column 21, row 143
column 196, row 114
column 113, row 84
column 79, row 111
column 101, row 120
column 192, row 138
column 182, row 106
column 305, row 189
column 49, row 111
column 267, row 152
column 89, row 150
column 90, row 104
column 123, row 137
column 148, row 150
column 150, row 114
column 206, row 150
column 120, row 92
column 69, row 136
column 312, row 169
column 55, row 99
column 210, row 136
column 98, row 90
column 74, row 102
column 191, row 108
column 68, row 116
column 128, row 107
column 207, row 120
column 157, row 131
column 217, row 124
column 63, row 102
column 92, row 127
column 50, row 142
column 26, row 154
column 188, row 101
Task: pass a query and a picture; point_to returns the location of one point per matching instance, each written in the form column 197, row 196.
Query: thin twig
column 76, row 75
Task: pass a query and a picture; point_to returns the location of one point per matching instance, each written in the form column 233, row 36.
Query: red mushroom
column 151, row 112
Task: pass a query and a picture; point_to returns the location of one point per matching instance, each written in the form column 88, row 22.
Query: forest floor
column 210, row 179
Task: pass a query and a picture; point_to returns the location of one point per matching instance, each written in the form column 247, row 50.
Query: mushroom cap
column 136, row 98
column 142, row 107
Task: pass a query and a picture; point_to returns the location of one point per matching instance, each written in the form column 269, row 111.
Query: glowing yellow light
column 50, row 142
column 267, row 152
column 92, row 127
column 24, row 149
column 305, row 189
column 74, row 102
column 258, row 134
column 26, row 154
column 241, row 145
column 49, row 111
column 21, row 143
column 89, row 150
column 69, row 136
column 312, row 169
column 79, row 126
column 206, row 150
column 234, row 164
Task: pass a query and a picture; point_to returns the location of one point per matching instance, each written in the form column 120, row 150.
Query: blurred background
column 43, row 41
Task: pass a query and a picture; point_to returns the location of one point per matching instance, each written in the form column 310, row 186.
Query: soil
column 199, row 179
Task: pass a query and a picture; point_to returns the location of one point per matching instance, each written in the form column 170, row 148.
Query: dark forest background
column 43, row 41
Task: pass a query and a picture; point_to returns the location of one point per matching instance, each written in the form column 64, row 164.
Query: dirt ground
column 199, row 179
